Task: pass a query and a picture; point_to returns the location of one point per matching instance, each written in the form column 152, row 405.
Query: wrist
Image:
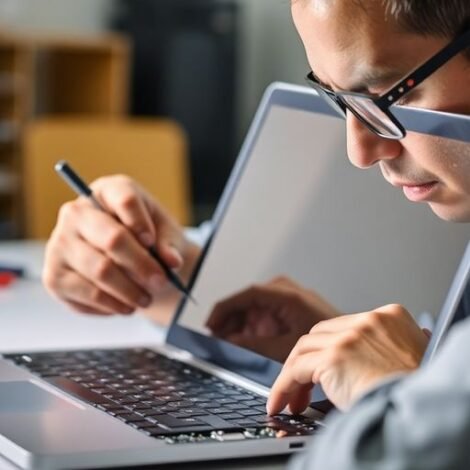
column 190, row 254
column 376, row 385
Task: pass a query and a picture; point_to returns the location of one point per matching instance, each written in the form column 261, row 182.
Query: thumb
column 169, row 254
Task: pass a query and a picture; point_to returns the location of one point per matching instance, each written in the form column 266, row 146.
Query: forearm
column 422, row 421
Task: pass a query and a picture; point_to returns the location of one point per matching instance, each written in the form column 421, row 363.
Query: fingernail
column 145, row 301
column 177, row 255
column 126, row 310
column 155, row 282
column 146, row 238
column 268, row 406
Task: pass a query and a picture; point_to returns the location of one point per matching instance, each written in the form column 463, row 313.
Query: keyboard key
column 185, row 412
column 245, row 422
column 144, row 412
column 227, row 401
column 142, row 424
column 249, row 412
column 160, row 431
column 237, row 406
column 218, row 411
column 180, row 404
column 171, row 422
column 232, row 416
column 256, row 402
column 199, row 400
column 109, row 406
column 129, row 417
column 243, row 397
column 118, row 412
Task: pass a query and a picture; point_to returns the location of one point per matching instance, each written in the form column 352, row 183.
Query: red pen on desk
column 9, row 273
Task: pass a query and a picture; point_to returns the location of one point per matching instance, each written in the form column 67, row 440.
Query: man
column 393, row 421
column 424, row 421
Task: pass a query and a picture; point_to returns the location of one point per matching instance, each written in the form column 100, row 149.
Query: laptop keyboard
column 161, row 397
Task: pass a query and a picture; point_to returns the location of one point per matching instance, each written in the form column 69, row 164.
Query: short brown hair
column 445, row 18
column 434, row 17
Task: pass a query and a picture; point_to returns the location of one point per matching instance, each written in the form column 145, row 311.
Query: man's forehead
column 320, row 6
column 352, row 49
column 324, row 6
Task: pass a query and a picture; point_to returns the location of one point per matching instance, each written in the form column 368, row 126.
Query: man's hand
column 269, row 318
column 98, row 262
column 348, row 355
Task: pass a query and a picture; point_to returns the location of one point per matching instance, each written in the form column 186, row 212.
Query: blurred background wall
column 204, row 63
column 269, row 48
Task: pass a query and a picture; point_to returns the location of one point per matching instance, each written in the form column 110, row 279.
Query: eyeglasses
column 374, row 112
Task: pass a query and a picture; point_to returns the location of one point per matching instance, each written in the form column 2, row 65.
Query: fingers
column 346, row 355
column 300, row 373
column 142, row 216
column 111, row 238
column 82, row 308
column 84, row 296
column 299, row 401
column 107, row 251
column 169, row 253
column 313, row 342
column 122, row 200
column 293, row 385
column 107, row 276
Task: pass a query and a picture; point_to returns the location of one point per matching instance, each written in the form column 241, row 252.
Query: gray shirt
column 420, row 421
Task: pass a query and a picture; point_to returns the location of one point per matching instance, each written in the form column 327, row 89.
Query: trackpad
column 27, row 397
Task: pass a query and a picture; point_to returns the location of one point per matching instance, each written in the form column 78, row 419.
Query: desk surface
column 31, row 320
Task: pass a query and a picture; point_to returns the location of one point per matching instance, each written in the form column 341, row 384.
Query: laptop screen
column 296, row 212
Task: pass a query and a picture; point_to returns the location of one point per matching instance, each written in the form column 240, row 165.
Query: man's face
column 357, row 49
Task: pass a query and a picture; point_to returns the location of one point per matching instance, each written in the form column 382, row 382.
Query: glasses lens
column 370, row 114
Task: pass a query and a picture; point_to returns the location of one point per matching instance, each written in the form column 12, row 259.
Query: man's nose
column 365, row 148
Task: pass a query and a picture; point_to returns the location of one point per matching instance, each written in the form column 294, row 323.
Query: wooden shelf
column 48, row 76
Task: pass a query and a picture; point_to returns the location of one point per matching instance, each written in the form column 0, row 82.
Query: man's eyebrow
column 377, row 79
column 371, row 79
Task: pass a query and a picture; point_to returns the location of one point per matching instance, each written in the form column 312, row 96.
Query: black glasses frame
column 404, row 86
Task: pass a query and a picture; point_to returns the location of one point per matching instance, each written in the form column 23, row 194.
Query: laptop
column 198, row 397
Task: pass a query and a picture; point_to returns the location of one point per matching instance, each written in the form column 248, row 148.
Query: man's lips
column 417, row 192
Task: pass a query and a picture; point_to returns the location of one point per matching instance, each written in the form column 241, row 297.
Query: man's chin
column 451, row 213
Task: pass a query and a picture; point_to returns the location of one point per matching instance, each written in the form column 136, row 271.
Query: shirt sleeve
column 199, row 235
column 421, row 421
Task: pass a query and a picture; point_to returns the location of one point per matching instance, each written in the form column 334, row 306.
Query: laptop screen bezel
column 451, row 304
column 235, row 359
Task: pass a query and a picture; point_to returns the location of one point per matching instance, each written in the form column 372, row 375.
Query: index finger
column 144, row 217
column 293, row 385
column 109, row 236
column 123, row 200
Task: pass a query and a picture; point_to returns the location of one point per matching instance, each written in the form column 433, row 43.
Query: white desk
column 31, row 320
